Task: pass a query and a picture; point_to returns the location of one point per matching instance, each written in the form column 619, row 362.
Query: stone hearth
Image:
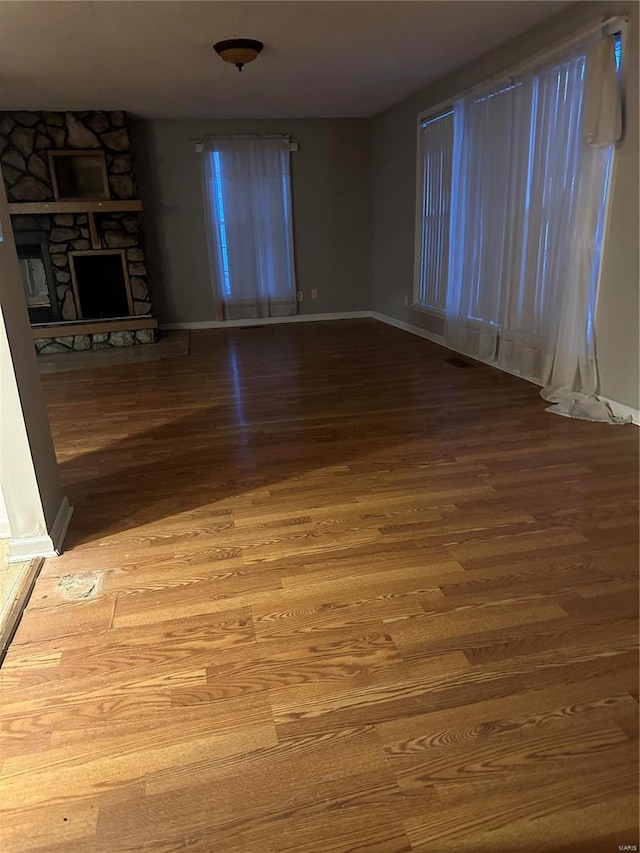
column 95, row 341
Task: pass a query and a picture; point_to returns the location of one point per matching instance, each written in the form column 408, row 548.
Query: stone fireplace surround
column 68, row 226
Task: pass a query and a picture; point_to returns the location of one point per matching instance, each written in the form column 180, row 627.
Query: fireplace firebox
column 101, row 284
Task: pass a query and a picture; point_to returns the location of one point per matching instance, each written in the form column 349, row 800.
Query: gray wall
column 394, row 185
column 331, row 188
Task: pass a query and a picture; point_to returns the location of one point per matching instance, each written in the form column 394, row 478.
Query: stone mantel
column 73, row 206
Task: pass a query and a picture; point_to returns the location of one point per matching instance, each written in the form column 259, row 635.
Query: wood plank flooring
column 325, row 592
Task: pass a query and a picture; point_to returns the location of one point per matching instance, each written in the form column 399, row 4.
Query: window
column 494, row 122
column 436, row 149
column 247, row 191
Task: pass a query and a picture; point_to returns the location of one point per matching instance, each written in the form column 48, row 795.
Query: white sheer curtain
column 529, row 199
column 533, row 326
column 249, row 226
column 491, row 136
column 571, row 383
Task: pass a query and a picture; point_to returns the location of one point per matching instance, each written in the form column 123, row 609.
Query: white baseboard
column 267, row 321
column 407, row 327
column 30, row 547
column 43, row 546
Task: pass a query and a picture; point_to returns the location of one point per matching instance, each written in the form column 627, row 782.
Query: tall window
column 514, row 189
column 435, row 179
column 436, row 148
column 248, row 202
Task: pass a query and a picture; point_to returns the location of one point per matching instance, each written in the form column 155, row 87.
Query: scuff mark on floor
column 81, row 587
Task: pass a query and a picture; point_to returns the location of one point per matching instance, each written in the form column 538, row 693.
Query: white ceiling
column 320, row 59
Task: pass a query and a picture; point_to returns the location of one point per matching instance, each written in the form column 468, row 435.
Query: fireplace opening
column 37, row 276
column 101, row 284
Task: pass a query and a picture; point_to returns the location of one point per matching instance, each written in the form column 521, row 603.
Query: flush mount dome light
column 238, row 51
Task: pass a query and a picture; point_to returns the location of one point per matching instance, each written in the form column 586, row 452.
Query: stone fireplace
column 72, row 197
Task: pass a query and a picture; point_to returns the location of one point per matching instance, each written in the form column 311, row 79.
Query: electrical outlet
column 300, row 295
column 406, row 302
column 314, row 293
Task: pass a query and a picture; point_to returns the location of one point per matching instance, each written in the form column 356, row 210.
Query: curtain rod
column 240, row 136
column 532, row 60
column 199, row 140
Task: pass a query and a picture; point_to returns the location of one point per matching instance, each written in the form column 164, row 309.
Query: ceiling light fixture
column 238, row 51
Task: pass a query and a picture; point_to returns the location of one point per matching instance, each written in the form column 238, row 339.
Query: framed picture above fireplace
column 101, row 284
column 79, row 175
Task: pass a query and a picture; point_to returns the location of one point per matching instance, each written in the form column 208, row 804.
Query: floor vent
column 456, row 361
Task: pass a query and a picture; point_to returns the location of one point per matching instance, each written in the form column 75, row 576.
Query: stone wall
column 26, row 137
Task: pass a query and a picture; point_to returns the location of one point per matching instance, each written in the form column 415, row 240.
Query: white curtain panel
column 537, row 334
column 249, row 226
column 602, row 110
column 529, row 204
column 491, row 135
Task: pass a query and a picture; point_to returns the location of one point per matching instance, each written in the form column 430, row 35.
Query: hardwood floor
column 326, row 592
